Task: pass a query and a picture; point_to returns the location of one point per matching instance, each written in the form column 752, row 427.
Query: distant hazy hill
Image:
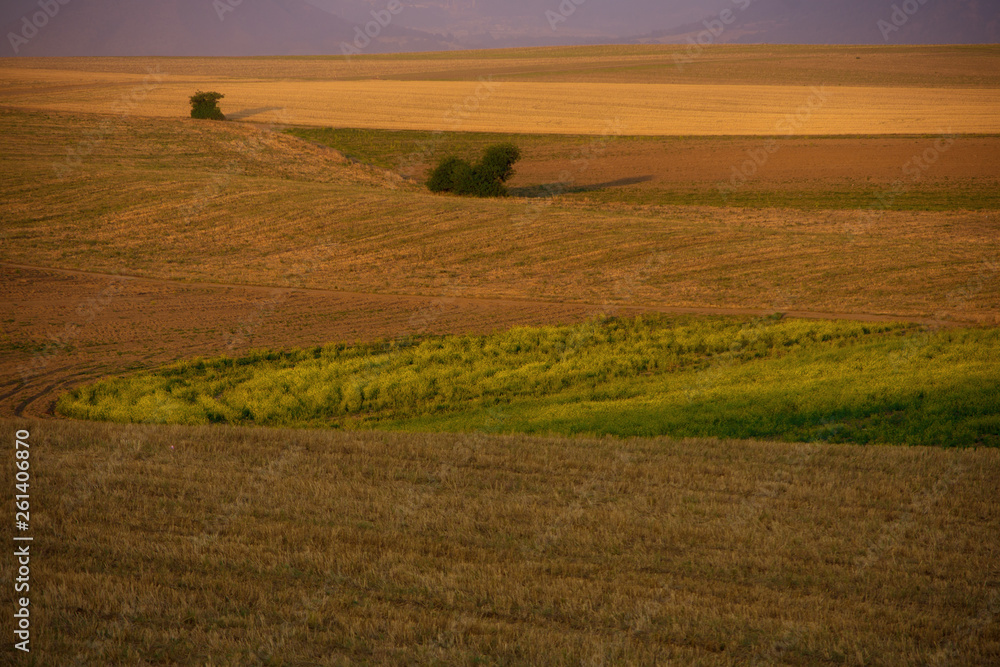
column 855, row 22
column 194, row 28
column 306, row 27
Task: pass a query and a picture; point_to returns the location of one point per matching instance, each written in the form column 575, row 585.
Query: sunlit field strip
column 558, row 108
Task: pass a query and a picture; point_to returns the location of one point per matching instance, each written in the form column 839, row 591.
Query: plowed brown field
column 796, row 163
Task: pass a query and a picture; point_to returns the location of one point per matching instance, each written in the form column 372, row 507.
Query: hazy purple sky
column 280, row 27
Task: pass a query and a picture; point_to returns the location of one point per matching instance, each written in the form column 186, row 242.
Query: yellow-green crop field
column 795, row 380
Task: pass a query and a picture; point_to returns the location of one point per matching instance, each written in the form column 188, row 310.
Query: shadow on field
column 557, row 188
column 246, row 113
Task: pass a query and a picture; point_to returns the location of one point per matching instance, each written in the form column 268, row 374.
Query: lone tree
column 485, row 179
column 206, row 105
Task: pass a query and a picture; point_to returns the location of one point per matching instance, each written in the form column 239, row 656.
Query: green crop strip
column 652, row 375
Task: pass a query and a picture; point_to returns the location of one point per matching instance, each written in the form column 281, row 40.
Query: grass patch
column 407, row 150
column 654, row 375
column 969, row 197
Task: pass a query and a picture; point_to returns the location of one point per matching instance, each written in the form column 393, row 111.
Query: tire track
column 21, row 384
column 87, row 374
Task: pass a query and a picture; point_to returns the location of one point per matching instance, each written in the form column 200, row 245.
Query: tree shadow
column 246, row 113
column 558, row 188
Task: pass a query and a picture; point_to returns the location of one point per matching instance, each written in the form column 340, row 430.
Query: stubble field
column 726, row 95
column 132, row 237
column 271, row 210
column 214, row 545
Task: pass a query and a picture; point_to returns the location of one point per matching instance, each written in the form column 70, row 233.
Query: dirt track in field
column 62, row 328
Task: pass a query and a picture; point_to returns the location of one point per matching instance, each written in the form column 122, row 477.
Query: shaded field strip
column 522, row 549
column 609, row 308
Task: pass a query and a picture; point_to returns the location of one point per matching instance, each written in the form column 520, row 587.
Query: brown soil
column 792, row 163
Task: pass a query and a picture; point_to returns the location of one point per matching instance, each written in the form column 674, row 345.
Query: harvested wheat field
column 560, row 108
column 631, row 90
column 269, row 209
column 936, row 66
column 290, row 268
column 184, row 545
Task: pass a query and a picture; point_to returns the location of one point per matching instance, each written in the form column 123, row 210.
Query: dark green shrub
column 441, row 179
column 485, row 179
column 464, row 180
column 497, row 164
column 206, row 105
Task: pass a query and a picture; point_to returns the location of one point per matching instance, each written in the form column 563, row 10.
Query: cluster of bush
column 206, row 105
column 484, row 179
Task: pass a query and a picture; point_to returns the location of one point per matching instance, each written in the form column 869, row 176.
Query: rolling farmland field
column 235, row 546
column 532, row 107
column 447, row 438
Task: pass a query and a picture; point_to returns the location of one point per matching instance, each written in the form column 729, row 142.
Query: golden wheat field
column 490, row 103
column 593, row 108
